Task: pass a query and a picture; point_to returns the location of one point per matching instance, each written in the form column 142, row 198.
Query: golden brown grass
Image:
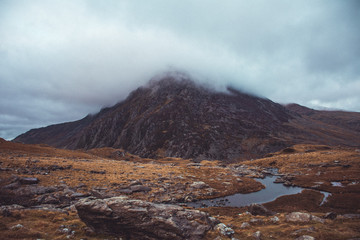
column 305, row 161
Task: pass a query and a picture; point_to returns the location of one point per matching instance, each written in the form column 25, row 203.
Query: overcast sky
column 60, row 60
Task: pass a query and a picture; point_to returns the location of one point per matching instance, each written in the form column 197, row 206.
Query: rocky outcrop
column 136, row 219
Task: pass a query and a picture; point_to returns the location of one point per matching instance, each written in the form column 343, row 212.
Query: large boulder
column 302, row 217
column 136, row 219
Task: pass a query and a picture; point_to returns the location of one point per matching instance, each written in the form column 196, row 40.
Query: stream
column 271, row 192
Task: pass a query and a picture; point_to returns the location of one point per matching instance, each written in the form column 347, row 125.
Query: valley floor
column 45, row 182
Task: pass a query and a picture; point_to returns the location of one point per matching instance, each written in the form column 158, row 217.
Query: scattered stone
column 274, row 219
column 29, row 180
column 134, row 183
column 136, row 219
column 317, row 219
column 188, row 199
column 245, row 225
column 256, row 221
column 297, row 232
column 305, row 237
column 245, row 213
column 17, row 227
column 224, row 230
column 330, row 215
column 257, row 235
column 258, row 209
column 64, row 230
column 6, row 210
column 351, row 215
column 199, row 185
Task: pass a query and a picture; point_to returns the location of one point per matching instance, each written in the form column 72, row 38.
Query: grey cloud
column 60, row 60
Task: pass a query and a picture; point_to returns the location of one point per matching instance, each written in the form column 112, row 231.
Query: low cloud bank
column 60, row 60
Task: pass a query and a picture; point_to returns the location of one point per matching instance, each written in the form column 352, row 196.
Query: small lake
column 270, row 193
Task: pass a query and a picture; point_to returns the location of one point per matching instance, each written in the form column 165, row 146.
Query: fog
column 60, row 60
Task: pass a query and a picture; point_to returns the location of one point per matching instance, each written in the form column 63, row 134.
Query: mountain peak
column 173, row 116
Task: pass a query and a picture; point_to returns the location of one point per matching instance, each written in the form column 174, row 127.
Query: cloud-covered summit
column 60, row 60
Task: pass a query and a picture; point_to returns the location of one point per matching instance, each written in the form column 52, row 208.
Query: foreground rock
column 136, row 219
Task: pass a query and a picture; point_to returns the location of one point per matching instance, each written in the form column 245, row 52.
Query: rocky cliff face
column 175, row 117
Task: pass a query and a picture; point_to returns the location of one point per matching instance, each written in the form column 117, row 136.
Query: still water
column 270, row 193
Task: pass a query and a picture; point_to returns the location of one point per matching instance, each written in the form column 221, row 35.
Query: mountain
column 325, row 127
column 173, row 116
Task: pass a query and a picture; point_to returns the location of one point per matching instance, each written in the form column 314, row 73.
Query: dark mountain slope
column 175, row 117
column 326, row 127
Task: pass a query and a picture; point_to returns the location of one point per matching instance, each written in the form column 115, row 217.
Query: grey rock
column 224, row 230
column 305, row 237
column 245, row 225
column 257, row 235
column 298, row 217
column 256, row 221
column 330, row 215
column 274, row 219
column 136, row 219
column 17, row 227
column 134, row 183
column 302, row 217
column 199, row 185
column 317, row 219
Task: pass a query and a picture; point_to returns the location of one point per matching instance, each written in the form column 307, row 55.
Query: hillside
column 175, row 117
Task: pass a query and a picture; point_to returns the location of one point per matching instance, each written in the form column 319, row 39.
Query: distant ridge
column 175, row 117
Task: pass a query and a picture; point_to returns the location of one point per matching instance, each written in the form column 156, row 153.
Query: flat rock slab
column 136, row 219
